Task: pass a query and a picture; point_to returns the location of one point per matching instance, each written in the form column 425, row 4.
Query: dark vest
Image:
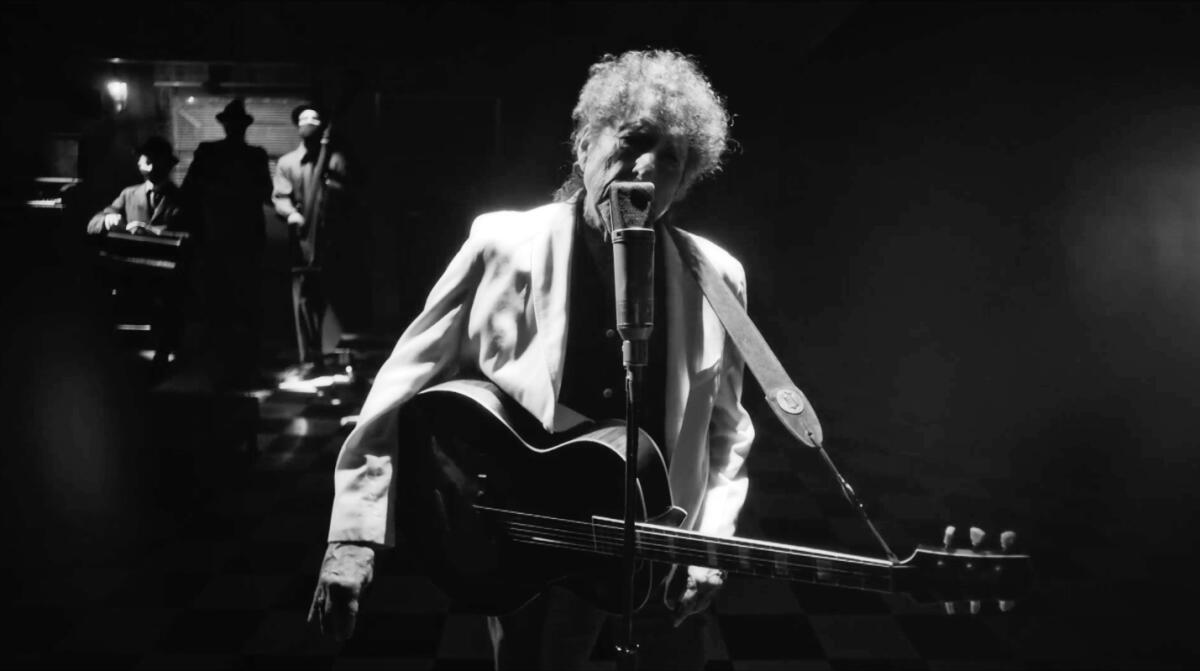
column 593, row 374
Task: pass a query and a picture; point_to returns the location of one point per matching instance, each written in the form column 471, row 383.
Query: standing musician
column 528, row 303
column 303, row 179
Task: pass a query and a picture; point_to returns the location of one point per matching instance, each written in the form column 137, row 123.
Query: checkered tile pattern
column 227, row 584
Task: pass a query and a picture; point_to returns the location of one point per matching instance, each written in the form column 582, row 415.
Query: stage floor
column 227, row 579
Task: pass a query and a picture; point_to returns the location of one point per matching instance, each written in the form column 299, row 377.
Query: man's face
column 145, row 166
column 633, row 151
column 309, row 124
column 151, row 170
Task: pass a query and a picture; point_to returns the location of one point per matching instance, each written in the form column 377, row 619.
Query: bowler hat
column 235, row 112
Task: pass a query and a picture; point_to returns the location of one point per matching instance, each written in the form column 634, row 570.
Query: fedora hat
column 296, row 111
column 235, row 112
column 158, row 150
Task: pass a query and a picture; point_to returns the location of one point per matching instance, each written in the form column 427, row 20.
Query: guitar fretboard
column 605, row 536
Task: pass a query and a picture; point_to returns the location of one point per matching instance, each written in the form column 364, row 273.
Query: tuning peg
column 950, row 607
column 948, row 537
column 1007, row 539
column 1007, row 605
column 975, row 606
column 977, row 536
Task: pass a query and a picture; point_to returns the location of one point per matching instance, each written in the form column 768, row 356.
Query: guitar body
column 476, row 451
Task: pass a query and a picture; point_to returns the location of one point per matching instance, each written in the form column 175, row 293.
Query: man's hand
column 698, row 589
column 144, row 228
column 111, row 221
column 346, row 572
column 295, row 219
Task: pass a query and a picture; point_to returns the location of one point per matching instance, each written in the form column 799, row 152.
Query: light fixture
column 119, row 92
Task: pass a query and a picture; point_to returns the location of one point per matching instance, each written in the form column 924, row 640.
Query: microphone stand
column 634, row 374
column 633, row 258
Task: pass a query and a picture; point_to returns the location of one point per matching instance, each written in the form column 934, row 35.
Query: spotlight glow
column 119, row 92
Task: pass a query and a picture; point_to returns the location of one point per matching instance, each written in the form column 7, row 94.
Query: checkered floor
column 226, row 581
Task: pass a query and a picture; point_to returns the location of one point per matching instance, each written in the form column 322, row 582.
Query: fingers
column 334, row 610
column 698, row 594
column 685, row 604
column 676, row 584
column 342, row 610
column 316, row 611
column 344, row 629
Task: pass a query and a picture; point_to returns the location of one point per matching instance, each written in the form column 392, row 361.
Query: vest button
column 610, row 333
column 607, row 393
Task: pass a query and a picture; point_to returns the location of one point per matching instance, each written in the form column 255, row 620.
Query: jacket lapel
column 695, row 346
column 550, row 260
column 684, row 335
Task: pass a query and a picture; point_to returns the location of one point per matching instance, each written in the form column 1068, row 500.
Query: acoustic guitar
column 499, row 509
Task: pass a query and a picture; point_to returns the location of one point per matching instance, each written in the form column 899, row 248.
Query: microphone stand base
column 626, row 657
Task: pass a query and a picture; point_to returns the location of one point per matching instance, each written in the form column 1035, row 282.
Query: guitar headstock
column 977, row 575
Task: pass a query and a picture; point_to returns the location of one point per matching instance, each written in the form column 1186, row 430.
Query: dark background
column 970, row 234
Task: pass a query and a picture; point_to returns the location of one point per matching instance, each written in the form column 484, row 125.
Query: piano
column 147, row 277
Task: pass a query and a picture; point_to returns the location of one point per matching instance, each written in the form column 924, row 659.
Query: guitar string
column 697, row 547
column 689, row 537
column 701, row 556
column 849, row 577
column 681, row 537
column 832, row 577
column 767, row 569
column 590, row 531
column 588, row 542
column 744, row 563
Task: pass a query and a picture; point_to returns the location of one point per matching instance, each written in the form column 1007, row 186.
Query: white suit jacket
column 501, row 308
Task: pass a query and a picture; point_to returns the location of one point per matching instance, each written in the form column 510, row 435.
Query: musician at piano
column 527, row 303
column 152, row 207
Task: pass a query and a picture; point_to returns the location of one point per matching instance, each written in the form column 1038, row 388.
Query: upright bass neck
column 314, row 200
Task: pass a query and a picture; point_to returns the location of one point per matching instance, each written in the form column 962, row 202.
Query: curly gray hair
column 665, row 86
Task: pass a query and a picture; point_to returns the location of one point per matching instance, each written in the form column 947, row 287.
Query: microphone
column 633, row 267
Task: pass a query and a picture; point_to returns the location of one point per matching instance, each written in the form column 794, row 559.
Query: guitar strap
column 790, row 404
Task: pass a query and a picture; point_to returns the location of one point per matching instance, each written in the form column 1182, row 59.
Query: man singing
column 527, row 303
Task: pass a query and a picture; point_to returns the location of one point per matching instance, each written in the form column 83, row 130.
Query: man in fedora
column 229, row 183
column 155, row 205
column 318, row 239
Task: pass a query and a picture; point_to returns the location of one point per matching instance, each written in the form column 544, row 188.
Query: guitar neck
column 737, row 555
